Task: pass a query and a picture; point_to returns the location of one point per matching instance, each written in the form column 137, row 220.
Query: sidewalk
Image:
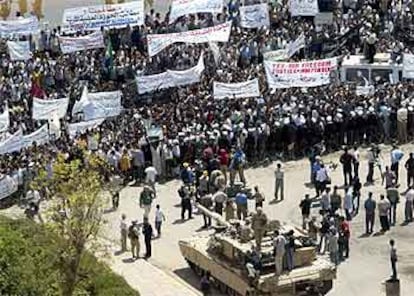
column 148, row 279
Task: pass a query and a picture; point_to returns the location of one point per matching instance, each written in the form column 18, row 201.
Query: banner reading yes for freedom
column 45, row 109
column 408, row 66
column 25, row 26
column 303, row 7
column 170, row 78
column 185, row 7
column 254, row 16
column 93, row 18
column 73, row 44
column 19, row 50
column 300, row 74
column 219, row 33
column 245, row 89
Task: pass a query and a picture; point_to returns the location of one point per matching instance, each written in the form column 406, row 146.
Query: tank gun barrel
column 218, row 218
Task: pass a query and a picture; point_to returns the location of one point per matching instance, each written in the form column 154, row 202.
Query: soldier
column 133, row 234
column 145, row 200
column 207, row 202
column 259, row 222
column 245, row 232
column 258, row 197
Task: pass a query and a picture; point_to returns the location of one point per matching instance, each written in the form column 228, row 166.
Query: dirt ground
column 362, row 274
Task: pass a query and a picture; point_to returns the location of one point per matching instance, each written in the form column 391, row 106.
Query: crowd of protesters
column 289, row 122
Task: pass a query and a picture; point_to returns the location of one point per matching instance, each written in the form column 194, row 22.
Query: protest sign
column 323, row 18
column 295, row 46
column 408, row 66
column 8, row 186
column 4, row 120
column 170, row 78
column 303, row 7
column 300, row 74
column 254, row 16
column 366, row 90
column 19, row 50
column 93, row 18
column 24, row 26
column 80, row 128
column 275, row 55
column 45, row 109
column 73, row 44
column 219, row 33
column 185, row 7
column 102, row 105
column 245, row 89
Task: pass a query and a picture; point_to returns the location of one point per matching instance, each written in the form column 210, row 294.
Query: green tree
column 75, row 212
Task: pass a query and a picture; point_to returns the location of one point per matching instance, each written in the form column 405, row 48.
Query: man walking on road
column 346, row 159
column 383, row 211
column 305, row 206
column 124, row 233
column 279, row 245
column 396, row 156
column 370, row 206
column 279, row 182
column 159, row 218
column 133, row 234
column 147, row 232
column 409, row 166
column 393, row 260
column 393, row 197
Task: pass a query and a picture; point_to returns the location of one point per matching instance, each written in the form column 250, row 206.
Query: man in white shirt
column 124, row 232
column 355, row 154
column 321, row 179
column 279, row 245
column 402, row 118
column 159, row 218
column 409, row 197
column 279, row 182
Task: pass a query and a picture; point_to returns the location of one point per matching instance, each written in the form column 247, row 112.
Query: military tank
column 223, row 255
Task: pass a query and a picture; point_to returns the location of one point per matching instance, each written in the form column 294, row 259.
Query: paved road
column 362, row 274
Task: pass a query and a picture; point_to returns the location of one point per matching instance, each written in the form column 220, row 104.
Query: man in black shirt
column 409, row 166
column 147, row 232
column 305, row 205
column 346, row 160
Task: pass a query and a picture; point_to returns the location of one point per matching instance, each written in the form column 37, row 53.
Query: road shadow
column 178, row 221
column 128, row 260
column 364, row 235
column 188, row 276
column 275, row 201
column 405, row 223
column 119, row 252
column 108, row 211
column 379, row 233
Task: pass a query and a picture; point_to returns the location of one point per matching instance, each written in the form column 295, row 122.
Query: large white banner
column 80, row 128
column 245, row 89
column 108, row 16
column 19, row 50
column 18, row 141
column 73, row 44
column 219, row 33
column 102, row 105
column 408, row 66
column 25, row 26
column 41, row 136
column 300, row 74
column 170, row 78
column 13, row 143
column 8, row 186
column 303, row 7
column 184, row 7
column 46, row 109
column 4, row 120
column 254, row 16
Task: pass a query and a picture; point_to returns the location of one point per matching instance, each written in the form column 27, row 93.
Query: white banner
column 323, row 18
column 170, row 78
column 219, row 33
column 19, row 50
column 4, row 120
column 185, row 7
column 300, row 74
column 8, row 186
column 276, row 55
column 254, row 16
column 25, row 26
column 303, row 7
column 41, row 136
column 44, row 109
column 408, row 66
column 102, row 105
column 80, row 128
column 367, row 90
column 296, row 45
column 73, row 44
column 12, row 143
column 109, row 16
column 245, row 89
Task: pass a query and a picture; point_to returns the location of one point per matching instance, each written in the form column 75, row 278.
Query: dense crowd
column 289, row 123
